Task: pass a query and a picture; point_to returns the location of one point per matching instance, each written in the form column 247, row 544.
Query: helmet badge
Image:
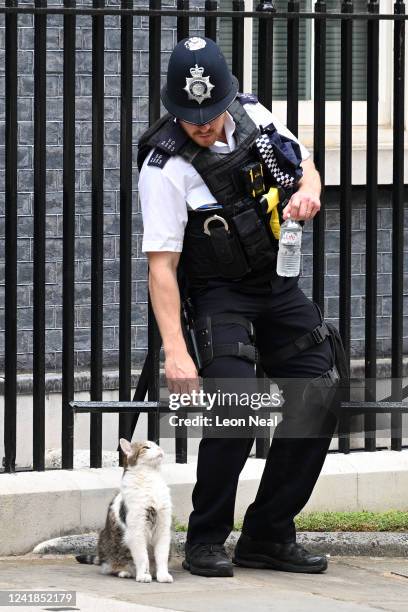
column 198, row 87
column 195, row 43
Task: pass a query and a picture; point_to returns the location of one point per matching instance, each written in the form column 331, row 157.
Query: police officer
column 198, row 210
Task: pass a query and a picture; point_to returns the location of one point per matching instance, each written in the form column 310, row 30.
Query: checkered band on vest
column 266, row 152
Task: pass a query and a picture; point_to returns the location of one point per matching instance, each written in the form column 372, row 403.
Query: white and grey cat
column 135, row 542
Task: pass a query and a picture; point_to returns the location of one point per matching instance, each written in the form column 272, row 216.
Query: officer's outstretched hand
column 181, row 373
column 303, row 205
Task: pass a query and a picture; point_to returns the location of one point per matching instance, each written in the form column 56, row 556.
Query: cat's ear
column 126, row 447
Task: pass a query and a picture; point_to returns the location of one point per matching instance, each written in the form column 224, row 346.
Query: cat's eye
column 146, row 447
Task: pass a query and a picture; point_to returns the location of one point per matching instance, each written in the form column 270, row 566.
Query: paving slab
column 352, row 584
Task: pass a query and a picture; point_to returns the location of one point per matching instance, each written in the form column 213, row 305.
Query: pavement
column 351, row 584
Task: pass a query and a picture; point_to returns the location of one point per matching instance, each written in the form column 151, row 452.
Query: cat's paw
column 164, row 577
column 125, row 574
column 144, row 577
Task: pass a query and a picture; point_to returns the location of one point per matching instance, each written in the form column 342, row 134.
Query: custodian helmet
column 200, row 86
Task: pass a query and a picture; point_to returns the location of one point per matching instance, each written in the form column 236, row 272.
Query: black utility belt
column 233, row 246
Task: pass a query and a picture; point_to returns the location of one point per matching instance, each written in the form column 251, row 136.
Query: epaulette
column 158, row 158
column 247, row 98
column 171, row 138
column 166, row 137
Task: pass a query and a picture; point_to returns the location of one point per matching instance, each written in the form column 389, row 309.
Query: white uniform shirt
column 167, row 193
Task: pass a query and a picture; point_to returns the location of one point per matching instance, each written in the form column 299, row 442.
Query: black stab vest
column 220, row 172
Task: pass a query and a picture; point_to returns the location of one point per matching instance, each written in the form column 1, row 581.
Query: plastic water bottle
column 290, row 241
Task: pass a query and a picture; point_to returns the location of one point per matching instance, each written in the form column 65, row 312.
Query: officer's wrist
column 174, row 347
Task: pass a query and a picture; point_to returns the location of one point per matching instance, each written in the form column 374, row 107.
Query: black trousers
column 280, row 314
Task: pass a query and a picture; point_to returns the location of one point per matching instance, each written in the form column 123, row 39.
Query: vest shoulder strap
column 247, row 98
column 166, row 137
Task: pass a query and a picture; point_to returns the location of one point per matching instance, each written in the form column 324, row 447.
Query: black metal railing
column 266, row 16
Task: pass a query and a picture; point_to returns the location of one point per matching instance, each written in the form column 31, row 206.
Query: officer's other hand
column 181, row 373
column 302, row 206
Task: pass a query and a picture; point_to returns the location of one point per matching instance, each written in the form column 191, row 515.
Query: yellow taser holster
column 271, row 199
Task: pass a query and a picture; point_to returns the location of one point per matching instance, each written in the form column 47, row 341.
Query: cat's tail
column 88, row 559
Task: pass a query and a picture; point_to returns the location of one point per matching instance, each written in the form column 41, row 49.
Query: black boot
column 207, row 560
column 283, row 556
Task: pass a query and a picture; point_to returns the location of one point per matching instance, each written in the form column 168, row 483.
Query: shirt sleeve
column 261, row 116
column 164, row 210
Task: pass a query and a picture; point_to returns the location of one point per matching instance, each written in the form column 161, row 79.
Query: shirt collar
column 229, row 127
